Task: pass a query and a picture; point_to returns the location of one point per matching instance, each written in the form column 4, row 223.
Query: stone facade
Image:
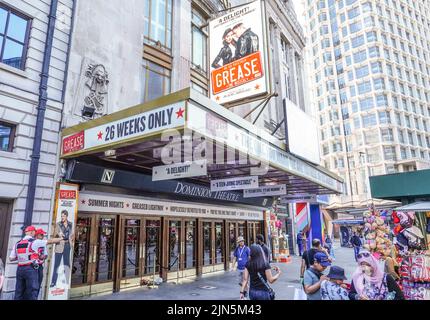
column 19, row 95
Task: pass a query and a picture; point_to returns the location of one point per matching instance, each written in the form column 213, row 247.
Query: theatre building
column 135, row 110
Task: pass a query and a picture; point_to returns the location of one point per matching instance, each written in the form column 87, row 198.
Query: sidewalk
column 224, row 286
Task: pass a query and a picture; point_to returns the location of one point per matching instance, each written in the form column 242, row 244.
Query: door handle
column 94, row 253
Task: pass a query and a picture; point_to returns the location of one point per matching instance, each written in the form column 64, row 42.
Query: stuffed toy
column 379, row 221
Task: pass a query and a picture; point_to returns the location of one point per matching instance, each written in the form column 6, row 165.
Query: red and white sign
column 139, row 125
column 238, row 54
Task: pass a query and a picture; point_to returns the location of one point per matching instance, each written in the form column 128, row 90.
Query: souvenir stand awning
column 406, row 187
column 348, row 222
column 420, row 206
column 133, row 139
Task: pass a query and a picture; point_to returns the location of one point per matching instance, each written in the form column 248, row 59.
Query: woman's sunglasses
column 363, row 255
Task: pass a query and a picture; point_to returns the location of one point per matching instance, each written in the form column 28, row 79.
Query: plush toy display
column 376, row 231
column 408, row 236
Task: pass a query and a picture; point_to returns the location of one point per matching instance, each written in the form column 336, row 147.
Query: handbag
column 271, row 291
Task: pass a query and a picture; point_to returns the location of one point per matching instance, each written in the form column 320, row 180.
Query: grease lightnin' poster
column 238, row 54
column 66, row 207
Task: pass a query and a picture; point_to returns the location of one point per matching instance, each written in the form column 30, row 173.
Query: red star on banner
column 180, row 113
column 217, row 98
column 100, row 135
column 257, row 86
column 83, row 201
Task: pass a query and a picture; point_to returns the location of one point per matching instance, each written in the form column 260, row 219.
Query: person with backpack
column 241, row 255
column 258, row 274
column 313, row 276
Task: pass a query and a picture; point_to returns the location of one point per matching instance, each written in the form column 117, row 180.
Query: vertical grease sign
column 238, row 54
column 60, row 267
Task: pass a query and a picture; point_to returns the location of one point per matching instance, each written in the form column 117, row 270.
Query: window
column 199, row 41
column 7, row 136
column 158, row 22
column 357, row 41
column 366, row 104
column 384, row 117
column 156, row 80
column 379, row 84
column 14, row 37
column 389, row 153
column 364, row 87
column 387, row 135
column 361, row 72
column 360, row 56
column 369, row 120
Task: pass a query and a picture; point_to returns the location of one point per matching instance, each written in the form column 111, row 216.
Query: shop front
column 123, row 242
column 151, row 204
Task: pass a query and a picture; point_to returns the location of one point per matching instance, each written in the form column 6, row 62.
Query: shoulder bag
column 271, row 291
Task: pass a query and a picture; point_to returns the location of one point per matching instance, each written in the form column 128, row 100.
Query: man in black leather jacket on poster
column 247, row 41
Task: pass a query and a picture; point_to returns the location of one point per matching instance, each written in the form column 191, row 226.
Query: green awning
column 401, row 186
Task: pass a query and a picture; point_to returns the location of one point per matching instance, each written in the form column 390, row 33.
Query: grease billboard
column 238, row 54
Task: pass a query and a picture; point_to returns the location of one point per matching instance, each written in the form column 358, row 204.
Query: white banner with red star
column 238, row 54
column 139, row 125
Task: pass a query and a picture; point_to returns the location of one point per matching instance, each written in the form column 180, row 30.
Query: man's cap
column 336, row 273
column 29, row 229
column 322, row 259
column 40, row 231
column 239, row 239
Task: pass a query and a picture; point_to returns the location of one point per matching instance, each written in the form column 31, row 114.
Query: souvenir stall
column 411, row 240
column 376, row 232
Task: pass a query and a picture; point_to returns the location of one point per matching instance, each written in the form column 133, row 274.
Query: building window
column 199, row 41
column 158, row 23
column 7, row 136
column 14, row 37
column 156, row 80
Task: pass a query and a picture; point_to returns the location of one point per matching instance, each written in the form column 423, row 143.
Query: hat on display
column 336, row 273
column 240, row 239
column 29, row 229
column 40, row 231
column 322, row 259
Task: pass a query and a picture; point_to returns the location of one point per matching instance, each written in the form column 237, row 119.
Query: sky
column 299, row 8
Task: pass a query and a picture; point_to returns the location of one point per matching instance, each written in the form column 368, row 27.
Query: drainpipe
column 43, row 98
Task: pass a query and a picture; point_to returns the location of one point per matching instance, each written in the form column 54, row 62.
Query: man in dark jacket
column 356, row 243
column 247, row 41
column 227, row 52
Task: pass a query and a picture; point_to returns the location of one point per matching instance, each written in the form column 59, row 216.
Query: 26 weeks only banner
column 238, row 54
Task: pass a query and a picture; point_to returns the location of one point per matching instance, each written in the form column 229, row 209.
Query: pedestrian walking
column 329, row 247
column 370, row 282
column 258, row 274
column 26, row 253
column 42, row 251
column 334, row 288
column 356, row 243
column 260, row 241
column 313, row 276
column 241, row 255
column 300, row 236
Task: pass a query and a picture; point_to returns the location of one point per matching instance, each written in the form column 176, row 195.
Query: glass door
column 94, row 256
column 81, row 253
column 105, row 248
column 213, row 246
column 175, row 227
column 152, row 246
column 190, row 252
column 131, row 248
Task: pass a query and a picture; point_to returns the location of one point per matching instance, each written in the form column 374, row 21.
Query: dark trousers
column 65, row 256
column 300, row 245
column 356, row 251
column 40, row 271
column 27, row 281
column 258, row 294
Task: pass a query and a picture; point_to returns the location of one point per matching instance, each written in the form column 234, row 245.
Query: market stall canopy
column 348, row 222
column 135, row 138
column 405, row 186
column 420, row 206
